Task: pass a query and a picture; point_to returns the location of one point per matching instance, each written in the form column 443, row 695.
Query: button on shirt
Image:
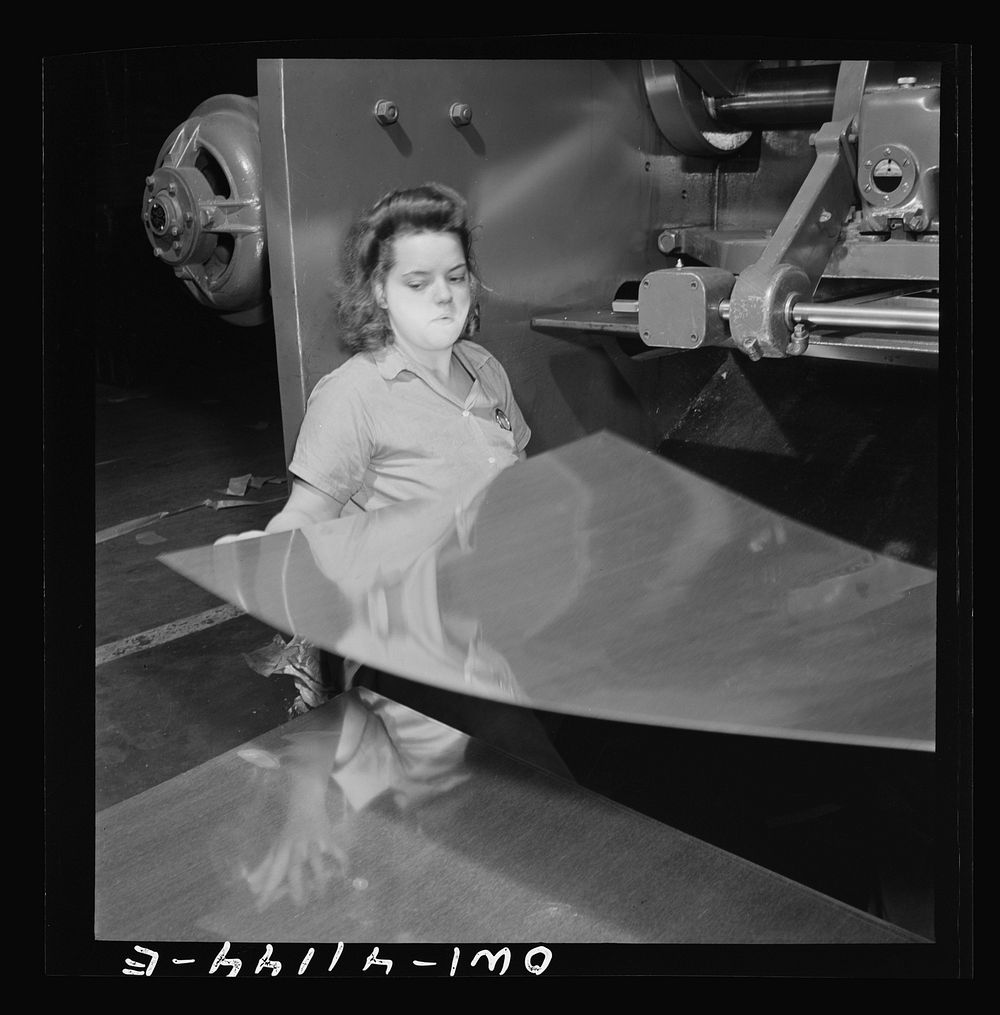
column 381, row 429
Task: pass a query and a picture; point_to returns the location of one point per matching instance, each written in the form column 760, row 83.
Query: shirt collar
column 390, row 360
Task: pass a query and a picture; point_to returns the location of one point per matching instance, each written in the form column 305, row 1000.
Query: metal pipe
column 834, row 315
column 779, row 97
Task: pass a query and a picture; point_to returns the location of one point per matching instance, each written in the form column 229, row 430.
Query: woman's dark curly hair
column 368, row 256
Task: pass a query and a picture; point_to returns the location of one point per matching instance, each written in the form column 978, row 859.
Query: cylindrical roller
column 877, row 318
column 779, row 97
column 834, row 315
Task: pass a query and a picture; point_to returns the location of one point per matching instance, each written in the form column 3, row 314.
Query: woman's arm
column 306, row 505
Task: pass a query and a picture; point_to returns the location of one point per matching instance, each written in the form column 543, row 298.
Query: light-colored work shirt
column 380, row 429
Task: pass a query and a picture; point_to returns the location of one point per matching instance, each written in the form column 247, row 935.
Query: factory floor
column 165, row 703
column 173, row 688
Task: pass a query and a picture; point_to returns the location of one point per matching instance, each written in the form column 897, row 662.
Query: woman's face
column 426, row 292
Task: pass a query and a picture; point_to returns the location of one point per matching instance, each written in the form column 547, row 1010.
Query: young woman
column 419, row 409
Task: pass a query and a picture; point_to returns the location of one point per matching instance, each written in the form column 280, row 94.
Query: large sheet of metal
column 460, row 843
column 601, row 580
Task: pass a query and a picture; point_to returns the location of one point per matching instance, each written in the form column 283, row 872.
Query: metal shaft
column 779, row 97
column 835, row 315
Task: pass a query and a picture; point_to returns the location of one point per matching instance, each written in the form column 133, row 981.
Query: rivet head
column 171, row 188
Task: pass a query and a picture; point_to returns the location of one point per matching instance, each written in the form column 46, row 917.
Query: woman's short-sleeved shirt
column 380, row 429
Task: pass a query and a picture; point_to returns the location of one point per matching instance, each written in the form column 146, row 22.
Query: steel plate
column 601, row 580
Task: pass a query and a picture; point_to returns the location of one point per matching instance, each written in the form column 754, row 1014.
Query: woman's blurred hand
column 233, row 537
column 307, row 853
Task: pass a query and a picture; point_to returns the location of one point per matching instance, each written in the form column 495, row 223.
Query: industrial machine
column 780, row 208
column 672, row 250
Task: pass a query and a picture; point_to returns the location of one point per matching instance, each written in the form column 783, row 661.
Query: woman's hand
column 305, row 506
column 307, row 854
column 233, row 537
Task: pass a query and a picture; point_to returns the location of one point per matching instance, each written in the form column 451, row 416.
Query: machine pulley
column 203, row 209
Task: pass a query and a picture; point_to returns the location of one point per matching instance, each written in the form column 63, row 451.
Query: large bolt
column 460, row 114
column 174, row 231
column 825, row 216
column 386, row 112
column 668, row 240
column 150, row 181
column 171, row 189
column 157, row 252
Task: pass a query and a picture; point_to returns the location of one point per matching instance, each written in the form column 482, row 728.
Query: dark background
column 105, row 117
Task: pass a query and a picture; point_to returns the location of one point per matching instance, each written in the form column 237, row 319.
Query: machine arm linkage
column 760, row 306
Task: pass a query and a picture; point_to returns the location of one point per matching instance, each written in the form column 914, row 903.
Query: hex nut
column 386, row 112
column 460, row 114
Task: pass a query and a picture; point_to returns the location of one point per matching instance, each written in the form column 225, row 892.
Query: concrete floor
column 163, row 709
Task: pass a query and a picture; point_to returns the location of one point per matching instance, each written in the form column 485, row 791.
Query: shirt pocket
column 498, row 437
